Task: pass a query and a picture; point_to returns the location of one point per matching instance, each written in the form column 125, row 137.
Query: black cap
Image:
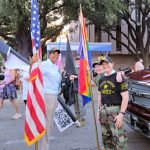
column 97, row 62
column 106, row 59
column 53, row 50
column 78, row 57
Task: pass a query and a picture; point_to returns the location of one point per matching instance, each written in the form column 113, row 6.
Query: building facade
column 136, row 16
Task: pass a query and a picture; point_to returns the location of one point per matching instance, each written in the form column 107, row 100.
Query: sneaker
column 102, row 148
column 16, row 116
column 81, row 124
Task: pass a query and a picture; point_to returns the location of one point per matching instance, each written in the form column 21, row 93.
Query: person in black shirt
column 112, row 107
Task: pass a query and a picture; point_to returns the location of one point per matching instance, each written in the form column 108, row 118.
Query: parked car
column 138, row 111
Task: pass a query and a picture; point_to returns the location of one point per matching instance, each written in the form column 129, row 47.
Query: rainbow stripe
column 85, row 63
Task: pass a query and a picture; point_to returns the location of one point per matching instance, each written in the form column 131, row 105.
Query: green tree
column 136, row 14
column 15, row 22
column 108, row 15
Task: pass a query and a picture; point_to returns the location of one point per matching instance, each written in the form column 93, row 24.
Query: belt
column 110, row 105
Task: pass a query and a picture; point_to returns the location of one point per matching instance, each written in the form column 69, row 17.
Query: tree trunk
column 145, row 57
column 24, row 45
column 27, row 47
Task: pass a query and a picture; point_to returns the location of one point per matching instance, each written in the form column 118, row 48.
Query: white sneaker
column 16, row 116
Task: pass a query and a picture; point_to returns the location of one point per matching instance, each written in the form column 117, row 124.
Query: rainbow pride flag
column 85, row 63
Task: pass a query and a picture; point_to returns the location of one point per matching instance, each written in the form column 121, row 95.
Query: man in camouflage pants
column 112, row 107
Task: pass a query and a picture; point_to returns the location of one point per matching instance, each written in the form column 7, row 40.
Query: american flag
column 35, row 121
column 35, row 28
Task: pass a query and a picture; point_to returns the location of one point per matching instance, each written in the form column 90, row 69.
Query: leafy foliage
column 107, row 15
column 15, row 22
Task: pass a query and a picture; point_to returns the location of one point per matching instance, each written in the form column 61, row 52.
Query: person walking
column 51, row 82
column 112, row 106
column 8, row 91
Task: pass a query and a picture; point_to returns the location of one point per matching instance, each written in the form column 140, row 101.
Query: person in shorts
column 8, row 91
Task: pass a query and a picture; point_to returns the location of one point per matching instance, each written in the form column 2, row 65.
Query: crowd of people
column 112, row 96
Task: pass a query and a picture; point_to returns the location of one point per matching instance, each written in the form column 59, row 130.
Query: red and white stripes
column 35, row 122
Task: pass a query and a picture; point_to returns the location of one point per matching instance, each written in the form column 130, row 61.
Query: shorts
column 8, row 92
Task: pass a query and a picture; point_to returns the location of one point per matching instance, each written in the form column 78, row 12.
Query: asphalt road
column 11, row 134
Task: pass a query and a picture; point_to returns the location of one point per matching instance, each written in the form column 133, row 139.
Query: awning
column 97, row 47
column 13, row 60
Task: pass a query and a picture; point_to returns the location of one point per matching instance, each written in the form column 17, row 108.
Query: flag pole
column 94, row 113
column 93, row 105
column 95, row 124
column 36, row 145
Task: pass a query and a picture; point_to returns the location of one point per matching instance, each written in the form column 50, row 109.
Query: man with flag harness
column 112, row 107
column 51, row 82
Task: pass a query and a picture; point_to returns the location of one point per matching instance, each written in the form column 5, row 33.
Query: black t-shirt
column 111, row 90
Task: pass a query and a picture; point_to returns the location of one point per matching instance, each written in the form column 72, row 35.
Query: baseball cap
column 97, row 62
column 106, row 59
column 53, row 50
column 78, row 57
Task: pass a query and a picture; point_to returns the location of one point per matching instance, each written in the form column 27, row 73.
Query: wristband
column 123, row 113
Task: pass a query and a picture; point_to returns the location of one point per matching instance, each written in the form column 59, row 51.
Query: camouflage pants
column 113, row 138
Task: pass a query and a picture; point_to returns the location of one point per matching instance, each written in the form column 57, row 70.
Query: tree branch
column 130, row 43
column 114, row 38
column 148, row 42
column 131, row 28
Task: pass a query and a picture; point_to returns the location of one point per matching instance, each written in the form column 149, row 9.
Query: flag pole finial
column 80, row 7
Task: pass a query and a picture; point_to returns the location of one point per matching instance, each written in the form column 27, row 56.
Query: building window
column 118, row 38
column 137, row 12
column 98, row 34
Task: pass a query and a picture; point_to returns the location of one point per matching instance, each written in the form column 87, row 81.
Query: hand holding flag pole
column 85, row 88
column 35, row 119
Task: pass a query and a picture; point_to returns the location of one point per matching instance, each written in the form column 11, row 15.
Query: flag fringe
column 33, row 78
column 29, row 143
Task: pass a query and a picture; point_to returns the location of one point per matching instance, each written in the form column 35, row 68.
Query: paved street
column 11, row 134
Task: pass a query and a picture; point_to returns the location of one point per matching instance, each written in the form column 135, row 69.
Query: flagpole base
column 95, row 124
column 77, row 123
column 36, row 145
